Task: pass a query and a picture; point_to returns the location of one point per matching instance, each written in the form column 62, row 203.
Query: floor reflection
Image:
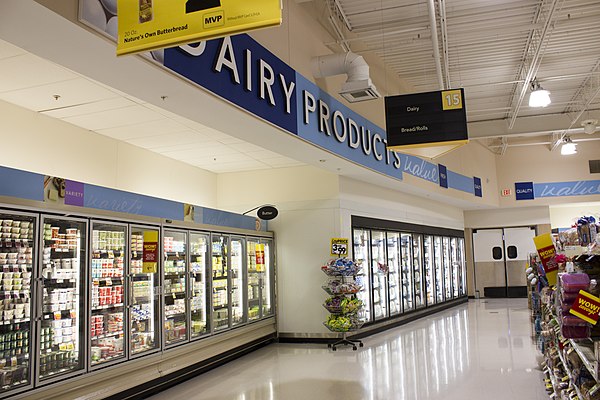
column 471, row 351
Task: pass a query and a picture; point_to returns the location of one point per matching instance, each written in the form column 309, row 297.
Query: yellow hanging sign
column 150, row 252
column 153, row 24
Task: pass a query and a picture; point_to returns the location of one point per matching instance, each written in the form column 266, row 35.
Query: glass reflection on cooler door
column 17, row 255
column 64, row 258
column 439, row 269
column 238, row 305
column 174, row 286
column 267, row 276
column 393, row 262
column 361, row 243
column 418, row 270
column 379, row 274
column 407, row 268
column 463, row 271
column 107, row 293
column 429, row 269
column 220, row 288
column 144, row 280
column 198, row 284
column 455, row 266
column 255, row 265
column 447, row 268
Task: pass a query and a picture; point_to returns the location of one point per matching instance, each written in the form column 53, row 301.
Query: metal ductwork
column 358, row 86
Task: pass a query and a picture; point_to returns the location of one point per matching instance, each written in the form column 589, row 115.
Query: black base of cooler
column 505, row 292
column 158, row 385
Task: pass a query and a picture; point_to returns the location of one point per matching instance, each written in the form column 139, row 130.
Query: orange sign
column 586, row 307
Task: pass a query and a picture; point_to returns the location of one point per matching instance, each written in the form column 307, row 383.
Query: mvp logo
column 214, row 19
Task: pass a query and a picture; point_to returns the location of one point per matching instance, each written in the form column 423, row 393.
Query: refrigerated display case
column 199, row 285
column 107, row 311
column 61, row 335
column 393, row 263
column 361, row 245
column 439, row 269
column 267, row 276
column 418, row 270
column 220, row 282
column 18, row 251
column 254, row 267
column 237, row 276
column 447, row 262
column 408, row 293
column 144, row 281
column 463, row 266
column 455, row 266
column 175, row 299
column 379, row 275
column 429, row 269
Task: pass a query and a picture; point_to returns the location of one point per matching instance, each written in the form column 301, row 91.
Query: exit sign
column 506, row 192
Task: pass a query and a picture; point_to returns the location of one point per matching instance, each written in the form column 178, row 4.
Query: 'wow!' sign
column 586, row 307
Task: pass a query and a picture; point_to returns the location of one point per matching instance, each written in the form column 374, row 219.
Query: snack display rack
column 569, row 341
column 344, row 306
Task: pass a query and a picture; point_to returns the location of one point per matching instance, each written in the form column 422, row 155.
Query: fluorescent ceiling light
column 538, row 97
column 568, row 148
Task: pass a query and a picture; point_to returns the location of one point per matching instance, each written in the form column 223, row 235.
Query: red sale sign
column 586, row 307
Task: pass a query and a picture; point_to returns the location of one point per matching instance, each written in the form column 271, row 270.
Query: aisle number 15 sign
column 339, row 247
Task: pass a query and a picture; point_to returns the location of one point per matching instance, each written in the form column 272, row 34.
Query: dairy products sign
column 152, row 24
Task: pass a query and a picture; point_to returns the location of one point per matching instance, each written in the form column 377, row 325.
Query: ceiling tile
column 163, row 126
column 9, row 50
column 175, row 148
column 82, row 109
column 127, row 116
column 72, row 92
column 281, row 162
column 185, row 138
column 233, row 166
column 193, row 152
column 27, row 71
column 245, row 147
column 263, row 154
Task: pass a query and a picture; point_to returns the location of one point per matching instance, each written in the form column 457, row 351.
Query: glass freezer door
column 255, row 266
column 407, row 268
column 199, row 284
column 144, row 280
column 393, row 263
column 220, row 289
column 418, row 270
column 447, row 260
column 379, row 274
column 429, row 269
column 439, row 269
column 455, row 266
column 174, row 286
column 107, row 293
column 17, row 253
column 267, row 276
column 361, row 244
column 237, row 276
column 64, row 260
column 463, row 266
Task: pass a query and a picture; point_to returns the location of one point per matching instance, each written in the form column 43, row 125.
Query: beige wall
column 538, row 164
column 37, row 143
column 564, row 216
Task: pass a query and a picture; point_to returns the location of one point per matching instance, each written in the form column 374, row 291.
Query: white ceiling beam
column 532, row 57
column 435, row 44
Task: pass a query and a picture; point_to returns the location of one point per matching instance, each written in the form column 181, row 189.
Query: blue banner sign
column 477, row 186
column 565, row 189
column 443, row 176
column 524, row 191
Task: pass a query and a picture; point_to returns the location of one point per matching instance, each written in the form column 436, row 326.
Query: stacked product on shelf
column 344, row 305
column 567, row 290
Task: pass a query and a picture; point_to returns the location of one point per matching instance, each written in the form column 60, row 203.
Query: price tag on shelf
column 62, row 347
column 70, row 346
column 565, row 378
column 339, row 247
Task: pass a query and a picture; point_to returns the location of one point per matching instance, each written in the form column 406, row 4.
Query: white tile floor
column 482, row 350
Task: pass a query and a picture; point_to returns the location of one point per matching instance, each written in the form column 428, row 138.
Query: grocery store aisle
column 482, row 350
